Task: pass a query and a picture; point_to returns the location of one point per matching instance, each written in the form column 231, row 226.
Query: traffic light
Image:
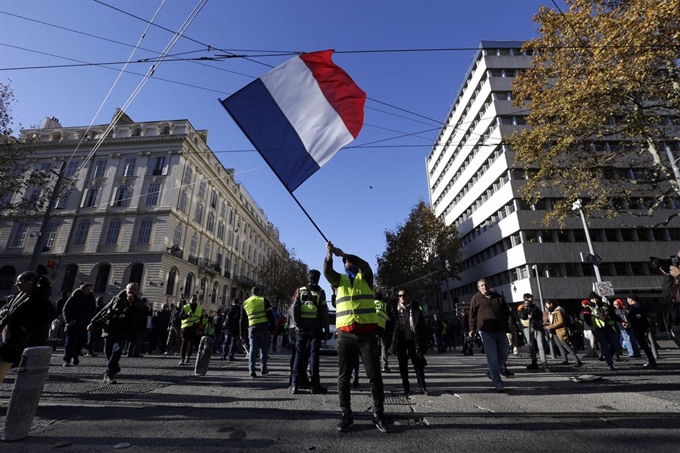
column 50, row 264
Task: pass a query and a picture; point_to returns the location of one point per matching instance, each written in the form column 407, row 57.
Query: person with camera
column 531, row 318
column 118, row 319
column 602, row 320
column 671, row 290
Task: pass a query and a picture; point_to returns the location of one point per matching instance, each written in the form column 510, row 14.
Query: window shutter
column 82, row 202
column 113, row 198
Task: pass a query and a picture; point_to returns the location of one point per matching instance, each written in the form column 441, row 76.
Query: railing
column 193, row 259
column 209, row 265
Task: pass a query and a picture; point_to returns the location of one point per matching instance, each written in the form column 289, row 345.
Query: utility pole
column 42, row 235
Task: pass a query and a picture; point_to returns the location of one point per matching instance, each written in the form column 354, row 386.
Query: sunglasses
column 402, row 295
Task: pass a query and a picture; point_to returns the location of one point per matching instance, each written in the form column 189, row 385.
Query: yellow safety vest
column 354, row 302
column 309, row 306
column 598, row 323
column 381, row 310
column 193, row 318
column 254, row 307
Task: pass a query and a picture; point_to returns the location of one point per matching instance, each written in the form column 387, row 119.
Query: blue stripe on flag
column 261, row 119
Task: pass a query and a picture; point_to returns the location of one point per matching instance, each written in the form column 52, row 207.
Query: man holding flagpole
column 356, row 322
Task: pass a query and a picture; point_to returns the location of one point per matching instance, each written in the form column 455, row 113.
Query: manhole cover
column 397, row 400
column 111, row 390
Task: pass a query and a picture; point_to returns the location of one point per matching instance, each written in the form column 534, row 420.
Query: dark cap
column 83, row 285
column 633, row 296
column 593, row 295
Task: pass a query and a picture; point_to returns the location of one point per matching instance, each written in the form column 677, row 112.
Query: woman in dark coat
column 25, row 321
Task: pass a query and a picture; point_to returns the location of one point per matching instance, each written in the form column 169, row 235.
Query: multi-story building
column 474, row 183
column 143, row 202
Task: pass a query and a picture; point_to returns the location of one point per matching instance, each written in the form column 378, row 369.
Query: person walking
column 490, row 317
column 311, row 324
column 78, row 311
column 409, row 340
column 25, row 320
column 190, row 318
column 94, row 336
column 559, row 325
column 118, row 320
column 231, row 326
column 637, row 318
column 172, row 345
column 627, row 338
column 257, row 322
column 531, row 318
column 384, row 329
column 602, row 320
column 357, row 322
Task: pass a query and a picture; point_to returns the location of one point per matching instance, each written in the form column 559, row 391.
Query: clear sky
column 368, row 187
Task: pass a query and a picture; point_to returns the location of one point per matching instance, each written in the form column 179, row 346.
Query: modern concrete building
column 473, row 183
column 144, row 202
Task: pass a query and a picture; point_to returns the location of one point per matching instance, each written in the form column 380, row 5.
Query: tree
column 23, row 187
column 280, row 276
column 419, row 254
column 604, row 94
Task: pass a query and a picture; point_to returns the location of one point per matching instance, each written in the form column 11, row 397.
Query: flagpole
column 308, row 216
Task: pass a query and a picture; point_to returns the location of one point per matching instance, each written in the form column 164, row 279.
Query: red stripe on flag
column 339, row 89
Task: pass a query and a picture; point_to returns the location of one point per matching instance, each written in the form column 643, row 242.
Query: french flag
column 299, row 114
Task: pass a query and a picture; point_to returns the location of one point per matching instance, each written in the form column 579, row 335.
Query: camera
column 664, row 263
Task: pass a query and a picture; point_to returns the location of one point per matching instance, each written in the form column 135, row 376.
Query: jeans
column 229, row 346
column 406, row 349
column 629, row 342
column 76, row 338
column 307, row 341
column 188, row 336
column 93, row 337
column 217, row 347
column 496, row 350
column 383, row 354
column 174, row 337
column 609, row 342
column 113, row 348
column 365, row 344
column 537, row 341
column 259, row 340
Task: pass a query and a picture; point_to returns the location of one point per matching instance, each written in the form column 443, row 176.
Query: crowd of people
column 370, row 329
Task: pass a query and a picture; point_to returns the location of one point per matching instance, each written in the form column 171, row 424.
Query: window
column 71, row 168
column 81, row 233
column 188, row 174
column 194, row 245
column 213, row 200
column 183, row 203
column 202, row 189
column 20, row 235
column 177, row 240
column 102, row 278
column 51, row 234
column 198, row 217
column 121, row 195
column 129, row 168
column 45, row 167
column 211, row 222
column 90, row 197
column 223, row 209
column 6, row 201
column 220, row 230
column 157, row 166
column 145, row 232
column 113, row 232
column 100, row 168
column 154, row 194
column 206, row 250
column 63, row 200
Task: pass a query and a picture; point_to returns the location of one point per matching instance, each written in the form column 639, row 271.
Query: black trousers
column 367, row 345
column 641, row 337
column 406, row 349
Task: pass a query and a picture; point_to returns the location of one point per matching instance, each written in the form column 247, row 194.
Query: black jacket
column 232, row 320
column 118, row 318
column 79, row 309
column 419, row 328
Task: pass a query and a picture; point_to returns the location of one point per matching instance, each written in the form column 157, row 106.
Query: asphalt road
column 158, row 406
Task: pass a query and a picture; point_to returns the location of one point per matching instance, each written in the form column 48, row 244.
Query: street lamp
column 594, row 258
column 538, row 283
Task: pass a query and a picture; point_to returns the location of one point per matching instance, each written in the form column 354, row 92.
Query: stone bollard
column 652, row 345
column 28, row 387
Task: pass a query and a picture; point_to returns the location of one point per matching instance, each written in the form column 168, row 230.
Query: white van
column 330, row 346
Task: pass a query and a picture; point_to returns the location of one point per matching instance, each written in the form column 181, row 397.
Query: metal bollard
column 26, row 393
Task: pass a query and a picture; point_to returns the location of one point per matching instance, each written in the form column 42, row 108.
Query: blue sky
column 368, row 187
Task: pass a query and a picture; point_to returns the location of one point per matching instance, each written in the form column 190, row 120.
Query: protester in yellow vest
column 357, row 322
column 257, row 321
column 191, row 316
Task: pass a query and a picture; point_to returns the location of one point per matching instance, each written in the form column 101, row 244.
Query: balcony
column 175, row 251
column 209, row 266
column 193, row 259
column 244, row 281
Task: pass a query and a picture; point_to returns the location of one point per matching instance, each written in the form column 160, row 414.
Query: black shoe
column 252, row 375
column 90, row 354
column 231, row 359
column 545, row 367
column 578, row 364
column 76, row 361
column 346, row 423
column 356, row 383
column 564, row 362
column 423, row 391
column 533, row 366
column 612, row 368
column 380, row 423
column 507, row 373
column 650, row 365
column 294, row 389
column 407, row 393
column 386, row 369
column 108, row 379
column 305, row 384
column 263, row 372
column 65, row 363
column 319, row 390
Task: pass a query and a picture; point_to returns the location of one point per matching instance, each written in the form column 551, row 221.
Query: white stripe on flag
column 299, row 97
